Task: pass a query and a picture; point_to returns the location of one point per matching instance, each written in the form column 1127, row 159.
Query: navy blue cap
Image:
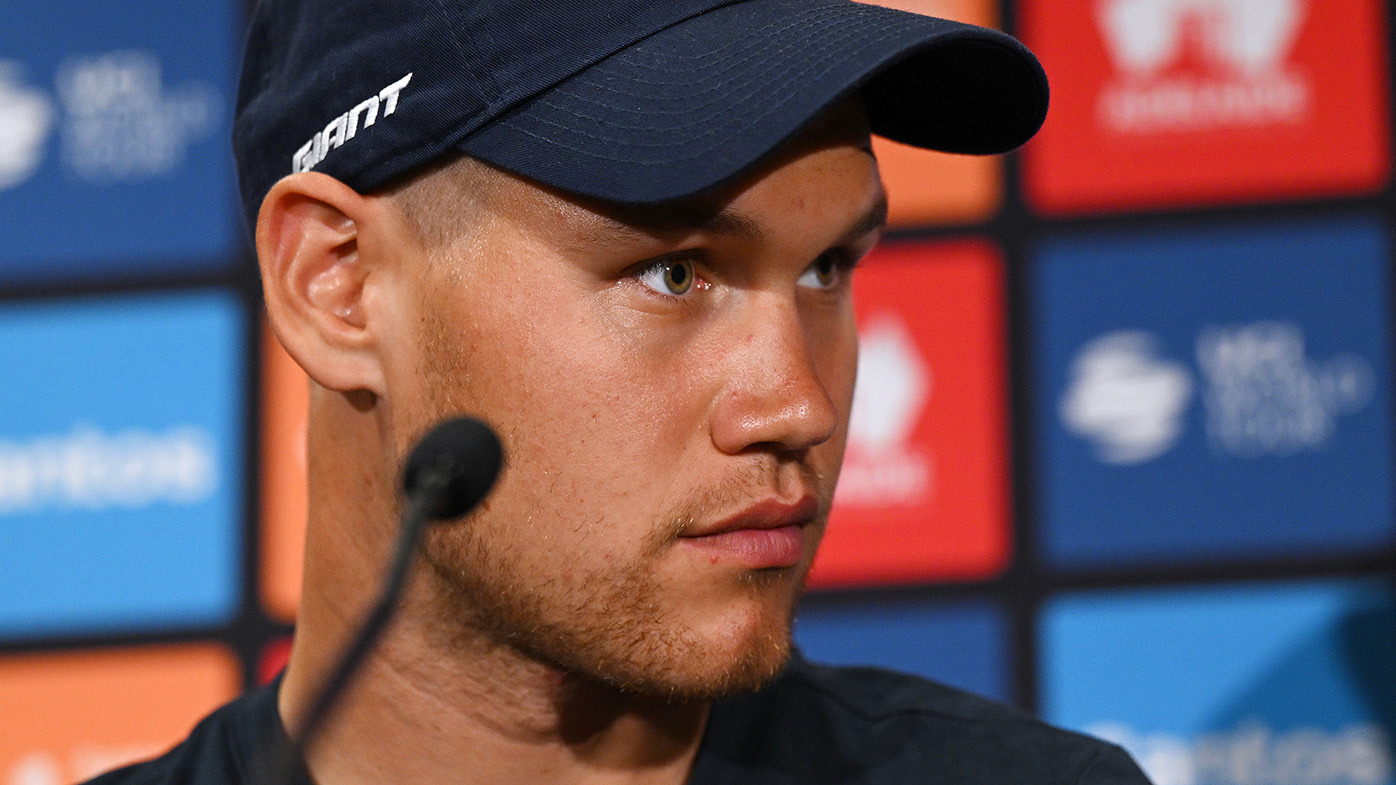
column 629, row 101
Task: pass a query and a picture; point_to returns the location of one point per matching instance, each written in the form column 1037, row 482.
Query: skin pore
column 659, row 376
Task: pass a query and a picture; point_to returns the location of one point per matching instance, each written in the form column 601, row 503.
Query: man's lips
column 765, row 535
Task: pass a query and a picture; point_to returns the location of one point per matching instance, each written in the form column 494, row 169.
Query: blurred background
column 1121, row 448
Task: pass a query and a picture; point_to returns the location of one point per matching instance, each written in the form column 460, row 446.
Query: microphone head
column 465, row 454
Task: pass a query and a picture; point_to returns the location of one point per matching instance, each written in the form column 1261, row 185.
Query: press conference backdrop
column 1121, row 447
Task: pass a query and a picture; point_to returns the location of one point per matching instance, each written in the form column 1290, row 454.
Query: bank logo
column 1252, row 753
column 1266, row 683
column 26, row 120
column 1125, row 398
column 91, row 470
column 882, row 467
column 1188, row 65
column 1261, row 393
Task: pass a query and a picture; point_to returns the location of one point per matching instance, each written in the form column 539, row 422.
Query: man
column 622, row 234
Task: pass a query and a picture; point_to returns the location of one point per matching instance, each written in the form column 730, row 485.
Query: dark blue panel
column 1213, row 394
column 114, row 154
column 964, row 644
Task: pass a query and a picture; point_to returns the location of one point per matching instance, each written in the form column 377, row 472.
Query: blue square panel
column 1213, row 395
column 114, row 127
column 1262, row 683
column 121, row 429
column 963, row 643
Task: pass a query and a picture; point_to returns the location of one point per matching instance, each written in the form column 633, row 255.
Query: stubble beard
column 613, row 627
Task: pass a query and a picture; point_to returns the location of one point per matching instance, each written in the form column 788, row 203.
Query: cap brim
column 696, row 104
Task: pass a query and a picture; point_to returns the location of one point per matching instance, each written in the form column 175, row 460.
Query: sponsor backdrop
column 1122, row 445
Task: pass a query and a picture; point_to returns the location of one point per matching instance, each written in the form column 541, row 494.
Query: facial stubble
column 617, row 627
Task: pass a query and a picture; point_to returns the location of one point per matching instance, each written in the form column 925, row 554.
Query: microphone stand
column 439, row 484
column 433, row 482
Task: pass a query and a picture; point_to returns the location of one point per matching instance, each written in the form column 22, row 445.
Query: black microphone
column 450, row 471
column 462, row 457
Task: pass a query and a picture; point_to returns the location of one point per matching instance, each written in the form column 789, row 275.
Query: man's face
column 672, row 386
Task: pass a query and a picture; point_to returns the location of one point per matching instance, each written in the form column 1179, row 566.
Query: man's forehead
column 637, row 223
column 714, row 212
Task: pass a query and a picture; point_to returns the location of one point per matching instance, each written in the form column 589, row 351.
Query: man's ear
column 314, row 279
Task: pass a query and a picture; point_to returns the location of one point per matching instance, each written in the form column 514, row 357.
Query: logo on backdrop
column 88, row 469
column 1252, row 753
column 1125, row 398
column 26, row 119
column 1188, row 65
column 1263, row 683
column 87, row 760
column 119, row 122
column 881, row 467
column 1260, row 393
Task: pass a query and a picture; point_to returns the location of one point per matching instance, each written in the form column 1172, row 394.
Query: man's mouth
column 767, row 535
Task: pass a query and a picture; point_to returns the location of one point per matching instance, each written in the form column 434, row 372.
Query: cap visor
column 696, row 104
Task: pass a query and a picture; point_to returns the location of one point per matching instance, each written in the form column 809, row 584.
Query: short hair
column 439, row 202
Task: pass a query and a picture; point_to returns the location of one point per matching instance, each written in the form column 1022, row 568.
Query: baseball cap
column 628, row 101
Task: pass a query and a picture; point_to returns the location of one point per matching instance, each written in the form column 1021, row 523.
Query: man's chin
column 705, row 677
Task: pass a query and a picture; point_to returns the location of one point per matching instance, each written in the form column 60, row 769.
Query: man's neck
column 488, row 715
column 438, row 702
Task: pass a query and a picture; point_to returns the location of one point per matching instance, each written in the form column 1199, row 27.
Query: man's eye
column 823, row 274
column 670, row 276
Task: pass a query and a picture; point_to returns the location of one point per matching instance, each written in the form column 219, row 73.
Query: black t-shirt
column 813, row 725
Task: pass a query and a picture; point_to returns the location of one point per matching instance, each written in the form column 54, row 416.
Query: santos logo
column 1185, row 65
column 1261, row 394
column 1252, row 754
column 882, row 468
column 87, row 469
column 119, row 122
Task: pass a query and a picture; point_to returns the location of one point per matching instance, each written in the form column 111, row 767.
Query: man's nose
column 773, row 396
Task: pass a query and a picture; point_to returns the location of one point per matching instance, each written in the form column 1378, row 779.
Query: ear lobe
column 313, row 279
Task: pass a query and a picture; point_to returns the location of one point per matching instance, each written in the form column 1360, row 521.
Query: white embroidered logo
column 346, row 126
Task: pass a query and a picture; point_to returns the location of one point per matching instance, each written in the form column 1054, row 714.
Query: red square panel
column 1166, row 103
column 924, row 491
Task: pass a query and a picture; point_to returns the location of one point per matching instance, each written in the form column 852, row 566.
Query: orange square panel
column 1173, row 103
column 928, row 187
column 924, row 493
column 70, row 716
column 285, row 407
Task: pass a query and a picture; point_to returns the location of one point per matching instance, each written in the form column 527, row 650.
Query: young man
column 622, row 233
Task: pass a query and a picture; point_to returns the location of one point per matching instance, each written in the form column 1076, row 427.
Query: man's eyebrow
column 639, row 222
column 873, row 220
